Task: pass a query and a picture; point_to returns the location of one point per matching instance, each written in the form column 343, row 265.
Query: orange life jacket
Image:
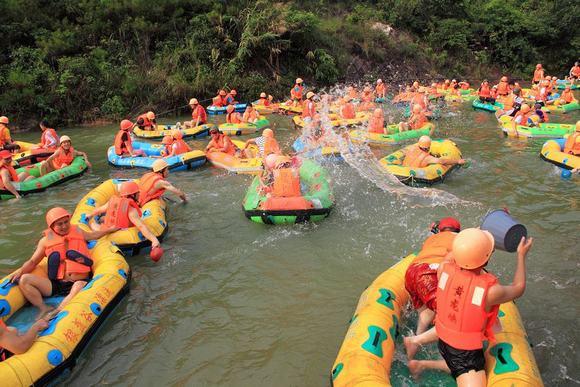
column 233, row 118
column 4, row 135
column 220, row 101
column 503, row 88
column 464, row 85
column 147, row 190
column 525, row 117
column 224, row 141
column 296, row 92
column 308, row 109
column 75, row 241
column 199, row 111
column 417, row 120
column 347, row 111
column 367, row 97
column 419, row 99
column 484, row 91
column 508, row 101
column 271, row 146
column 286, row 183
column 436, row 247
column 380, row 89
column 123, row 147
column 462, row 320
column 572, row 145
column 567, row 96
column 538, row 75
column 45, row 138
column 376, row 124
column 250, row 116
column 118, row 212
column 63, row 158
column 12, row 172
column 264, row 102
column 179, row 147
column 415, row 157
column 146, row 121
column 575, row 71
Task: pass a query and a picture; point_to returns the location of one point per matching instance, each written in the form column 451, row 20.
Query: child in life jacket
column 467, row 318
column 266, row 144
column 69, row 262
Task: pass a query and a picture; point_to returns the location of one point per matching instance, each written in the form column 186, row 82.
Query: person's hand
column 461, row 161
column 89, row 165
column 155, row 244
column 16, row 276
column 525, row 246
column 113, row 229
column 183, row 197
column 40, row 325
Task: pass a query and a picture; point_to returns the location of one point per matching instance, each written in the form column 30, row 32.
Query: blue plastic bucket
column 506, row 231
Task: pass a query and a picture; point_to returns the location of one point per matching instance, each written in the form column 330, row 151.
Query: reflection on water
column 238, row 303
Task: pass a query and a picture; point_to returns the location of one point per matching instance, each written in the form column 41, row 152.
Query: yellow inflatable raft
column 129, row 240
column 289, row 108
column 244, row 127
column 29, row 153
column 237, row 164
column 336, row 121
column 57, row 347
column 428, row 175
column 367, row 352
column 265, row 110
column 553, row 152
column 167, row 130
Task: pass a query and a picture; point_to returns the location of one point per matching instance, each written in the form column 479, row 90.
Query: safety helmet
column 4, row 120
column 55, row 214
column 230, row 108
column 472, row 248
column 424, row 142
column 128, row 188
column 262, row 95
column 193, row 101
column 167, row 140
column 126, row 125
column 525, row 108
column 268, row 133
column 449, row 223
column 176, row 133
column 159, row 165
column 299, row 80
column 578, row 126
column 309, row 95
column 5, row 154
column 64, row 139
column 150, row 115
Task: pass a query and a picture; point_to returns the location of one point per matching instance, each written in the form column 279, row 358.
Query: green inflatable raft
column 77, row 168
column 314, row 204
column 393, row 136
column 478, row 104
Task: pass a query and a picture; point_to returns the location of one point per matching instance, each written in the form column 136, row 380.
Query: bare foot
column 43, row 311
column 410, row 347
column 415, row 368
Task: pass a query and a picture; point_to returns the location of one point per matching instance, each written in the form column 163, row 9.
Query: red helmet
column 450, row 223
column 128, row 188
column 126, row 125
column 55, row 214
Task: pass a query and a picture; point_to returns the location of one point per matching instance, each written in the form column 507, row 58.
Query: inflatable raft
column 553, row 152
column 244, row 127
column 488, row 107
column 167, row 130
column 315, row 203
column 58, row 346
column 129, row 240
column 393, row 136
column 265, row 110
column 562, row 83
column 77, row 168
column 236, row 164
column 543, row 130
column 428, row 175
column 569, row 107
column 29, row 153
column 330, row 153
column 185, row 161
column 214, row 110
column 368, row 350
column 431, row 115
column 336, row 121
column 289, row 108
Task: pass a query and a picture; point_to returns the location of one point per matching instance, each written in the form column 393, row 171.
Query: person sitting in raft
column 574, row 74
column 123, row 142
column 542, row 116
column 420, row 98
column 5, row 139
column 13, row 343
column 377, row 122
column 231, row 97
column 418, row 156
column 567, row 96
column 8, row 174
column 264, row 100
column 503, row 86
column 167, row 141
column 281, row 179
column 297, row 92
column 308, row 107
column 484, row 92
column 123, row 211
column 153, row 185
column 49, row 138
column 465, row 319
column 464, row 85
column 221, row 99
column 538, row 74
column 146, row 121
column 352, row 92
column 347, row 110
column 266, row 144
column 178, row 145
column 250, row 115
column 198, row 114
column 572, row 144
column 62, row 157
column 233, row 117
column 523, row 117
column 416, row 120
column 221, row 143
column 421, row 275
column 69, row 262
column 381, row 89
column 367, row 99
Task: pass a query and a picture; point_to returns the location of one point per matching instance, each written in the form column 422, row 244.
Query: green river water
column 234, row 303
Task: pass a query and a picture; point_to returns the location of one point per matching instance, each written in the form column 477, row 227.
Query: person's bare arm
column 18, row 344
column 136, row 220
column 79, row 153
column 31, row 264
column 164, row 184
column 5, row 177
column 99, row 210
column 94, row 235
column 498, row 294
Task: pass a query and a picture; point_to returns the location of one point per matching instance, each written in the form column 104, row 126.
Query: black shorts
column 61, row 288
column 461, row 361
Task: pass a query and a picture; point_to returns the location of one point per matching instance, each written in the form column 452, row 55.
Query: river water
column 236, row 303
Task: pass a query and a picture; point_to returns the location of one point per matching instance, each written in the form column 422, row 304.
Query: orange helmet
column 176, row 133
column 222, row 93
column 150, row 115
column 525, row 108
column 159, row 165
column 268, row 133
column 193, row 101
column 4, row 120
column 230, row 108
column 578, row 126
column 472, row 248
column 424, row 142
column 167, row 140
column 126, row 125
column 5, row 154
column 55, row 214
column 128, row 188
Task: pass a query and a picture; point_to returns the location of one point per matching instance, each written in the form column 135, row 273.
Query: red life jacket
column 308, row 109
column 415, row 157
column 572, row 145
column 436, row 247
column 576, row 71
column 45, row 138
column 233, row 118
column 484, row 91
column 296, row 92
column 118, row 212
column 538, row 75
column 12, row 172
column 220, row 101
column 63, row 158
column 502, row 88
column 286, row 183
column 462, row 320
column 347, row 111
column 75, row 241
column 147, row 190
column 123, row 147
column 180, row 147
column 199, row 111
column 376, row 124
column 146, row 121
column 264, row 101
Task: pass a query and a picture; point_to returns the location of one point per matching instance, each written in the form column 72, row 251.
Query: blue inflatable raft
column 185, row 161
column 213, row 110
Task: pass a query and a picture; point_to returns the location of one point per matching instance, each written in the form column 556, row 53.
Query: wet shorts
column 421, row 283
column 461, row 361
column 61, row 288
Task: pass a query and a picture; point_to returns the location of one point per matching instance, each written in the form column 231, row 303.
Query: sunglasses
column 424, row 149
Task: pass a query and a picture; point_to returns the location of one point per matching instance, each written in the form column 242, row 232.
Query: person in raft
column 220, row 100
column 123, row 211
column 466, row 319
column 567, row 96
column 309, row 107
column 8, row 175
column 221, row 143
column 198, row 114
column 146, row 121
column 381, row 89
column 231, row 97
column 572, row 144
column 377, row 122
column 347, row 110
column 178, row 145
column 5, row 139
column 62, row 157
column 250, row 115
column 523, row 117
column 69, row 263
column 281, row 177
column 421, row 275
column 538, row 74
column 574, row 72
column 153, row 185
column 265, row 100
column 233, row 117
column 297, row 92
column 418, row 155
column 266, row 144
column 123, row 142
column 13, row 343
column 416, row 120
column 484, row 92
column 49, row 139
column 541, row 115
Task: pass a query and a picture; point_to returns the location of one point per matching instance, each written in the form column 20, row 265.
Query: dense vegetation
column 82, row 60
